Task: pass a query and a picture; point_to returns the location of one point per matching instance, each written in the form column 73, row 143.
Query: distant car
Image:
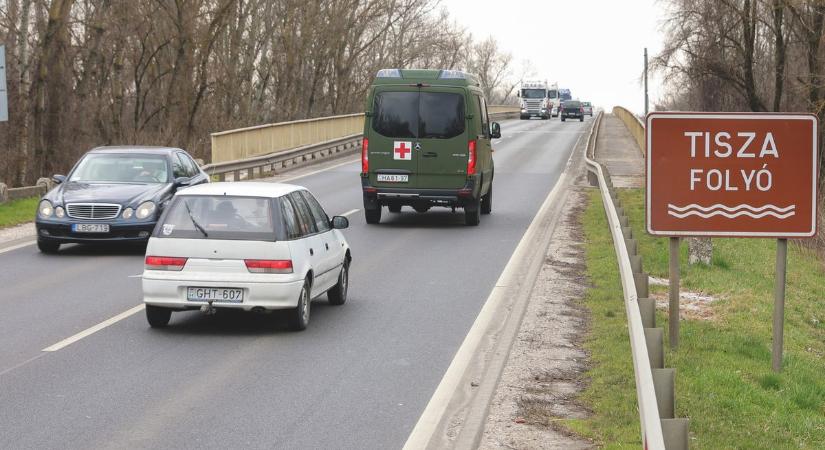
column 250, row 246
column 587, row 108
column 113, row 194
column 572, row 109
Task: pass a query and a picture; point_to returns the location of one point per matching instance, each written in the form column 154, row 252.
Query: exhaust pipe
column 209, row 310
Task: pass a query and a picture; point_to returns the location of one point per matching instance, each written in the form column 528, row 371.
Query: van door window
column 426, row 115
column 485, row 119
column 441, row 115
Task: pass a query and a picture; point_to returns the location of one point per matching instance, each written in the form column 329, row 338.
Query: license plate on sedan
column 388, row 178
column 209, row 294
column 90, row 227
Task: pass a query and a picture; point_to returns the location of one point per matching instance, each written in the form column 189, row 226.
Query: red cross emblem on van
column 402, row 150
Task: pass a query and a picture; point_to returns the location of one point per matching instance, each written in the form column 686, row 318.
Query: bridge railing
column 266, row 149
column 660, row 429
column 633, row 124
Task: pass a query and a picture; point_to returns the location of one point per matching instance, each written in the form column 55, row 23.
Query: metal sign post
column 779, row 304
column 673, row 306
column 732, row 175
column 4, row 99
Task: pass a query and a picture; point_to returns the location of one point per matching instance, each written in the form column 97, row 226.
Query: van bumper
column 375, row 197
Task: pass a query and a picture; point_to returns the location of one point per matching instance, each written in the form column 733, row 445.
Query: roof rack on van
column 389, row 73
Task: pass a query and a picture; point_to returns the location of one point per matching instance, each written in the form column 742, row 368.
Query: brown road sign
column 745, row 175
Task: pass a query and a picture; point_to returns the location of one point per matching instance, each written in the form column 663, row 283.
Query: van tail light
column 268, row 265
column 365, row 159
column 471, row 157
column 164, row 263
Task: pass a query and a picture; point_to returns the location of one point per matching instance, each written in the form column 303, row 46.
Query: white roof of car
column 241, row 189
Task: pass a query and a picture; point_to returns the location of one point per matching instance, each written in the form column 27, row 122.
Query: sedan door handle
column 311, row 252
column 430, row 155
column 326, row 244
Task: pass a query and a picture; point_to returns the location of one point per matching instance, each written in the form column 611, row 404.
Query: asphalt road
column 358, row 377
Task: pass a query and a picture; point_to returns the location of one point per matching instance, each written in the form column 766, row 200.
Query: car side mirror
column 59, row 178
column 495, row 130
column 340, row 222
column 183, row 181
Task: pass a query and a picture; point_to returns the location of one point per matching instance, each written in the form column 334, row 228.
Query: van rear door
column 393, row 161
column 442, row 138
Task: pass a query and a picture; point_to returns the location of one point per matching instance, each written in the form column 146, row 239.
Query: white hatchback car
column 250, row 246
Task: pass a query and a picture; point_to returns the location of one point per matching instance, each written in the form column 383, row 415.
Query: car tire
column 48, row 246
column 338, row 294
column 562, row 119
column 472, row 213
column 299, row 315
column 158, row 316
column 581, row 119
column 487, row 202
column 394, row 208
column 372, row 215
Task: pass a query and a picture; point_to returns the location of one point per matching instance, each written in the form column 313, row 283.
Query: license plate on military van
column 388, row 178
column 210, row 294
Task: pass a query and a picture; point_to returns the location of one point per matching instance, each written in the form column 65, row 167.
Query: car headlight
column 59, row 212
column 128, row 212
column 145, row 210
column 45, row 209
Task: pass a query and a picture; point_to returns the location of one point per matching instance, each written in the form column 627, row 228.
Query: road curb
column 457, row 412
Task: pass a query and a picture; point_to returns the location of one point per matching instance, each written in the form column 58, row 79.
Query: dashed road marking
column 89, row 331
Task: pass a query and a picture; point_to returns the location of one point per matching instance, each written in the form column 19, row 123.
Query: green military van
column 427, row 143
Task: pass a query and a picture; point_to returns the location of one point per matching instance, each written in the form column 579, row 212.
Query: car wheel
column 373, row 215
column 581, row 119
column 157, row 316
column 299, row 316
column 487, row 202
column 421, row 209
column 394, row 208
column 338, row 294
column 48, row 246
column 472, row 213
column 562, row 119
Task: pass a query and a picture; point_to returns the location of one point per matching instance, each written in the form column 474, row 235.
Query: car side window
column 293, row 231
column 192, row 166
column 305, row 220
column 485, row 119
column 318, row 213
column 480, row 119
column 178, row 168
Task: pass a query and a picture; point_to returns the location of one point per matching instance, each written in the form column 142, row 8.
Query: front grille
column 92, row 210
column 533, row 105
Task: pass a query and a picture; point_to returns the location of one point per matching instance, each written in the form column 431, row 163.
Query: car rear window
column 425, row 115
column 572, row 104
column 220, row 217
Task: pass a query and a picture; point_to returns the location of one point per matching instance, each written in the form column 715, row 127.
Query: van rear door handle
column 430, row 155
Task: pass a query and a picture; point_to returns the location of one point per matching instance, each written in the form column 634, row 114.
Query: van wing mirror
column 340, row 222
column 495, row 130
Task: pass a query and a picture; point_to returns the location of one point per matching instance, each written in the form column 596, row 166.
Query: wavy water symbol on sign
column 731, row 212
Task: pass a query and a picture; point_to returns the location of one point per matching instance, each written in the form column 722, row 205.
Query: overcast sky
column 595, row 49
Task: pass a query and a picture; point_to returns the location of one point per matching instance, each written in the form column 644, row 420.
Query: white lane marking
column 282, row 180
column 89, row 331
column 15, row 247
column 348, row 213
column 135, row 276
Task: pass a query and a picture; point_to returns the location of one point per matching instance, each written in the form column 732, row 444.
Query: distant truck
column 534, row 100
column 554, row 99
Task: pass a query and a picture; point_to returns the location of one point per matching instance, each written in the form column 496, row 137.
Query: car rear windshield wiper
column 195, row 222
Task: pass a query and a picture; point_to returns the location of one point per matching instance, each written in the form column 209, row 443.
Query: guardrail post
column 631, row 246
column 647, row 309
column 663, row 383
column 655, row 339
column 675, row 432
column 641, row 280
column 624, row 221
column 592, row 178
column 636, row 262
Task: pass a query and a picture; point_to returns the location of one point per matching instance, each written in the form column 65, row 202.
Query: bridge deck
column 617, row 149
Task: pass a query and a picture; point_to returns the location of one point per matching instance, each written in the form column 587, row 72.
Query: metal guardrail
column 654, row 384
column 273, row 162
column 633, row 124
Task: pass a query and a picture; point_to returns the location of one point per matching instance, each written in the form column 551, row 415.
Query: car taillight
column 471, row 158
column 164, row 263
column 268, row 265
column 365, row 159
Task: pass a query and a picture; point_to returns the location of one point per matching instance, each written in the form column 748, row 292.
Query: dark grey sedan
column 113, row 194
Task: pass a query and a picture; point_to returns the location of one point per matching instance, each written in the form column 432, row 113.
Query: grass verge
column 16, row 212
column 724, row 382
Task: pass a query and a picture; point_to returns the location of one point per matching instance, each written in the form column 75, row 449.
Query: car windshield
column 219, row 217
column 532, row 93
column 435, row 115
column 121, row 168
column 552, row 93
